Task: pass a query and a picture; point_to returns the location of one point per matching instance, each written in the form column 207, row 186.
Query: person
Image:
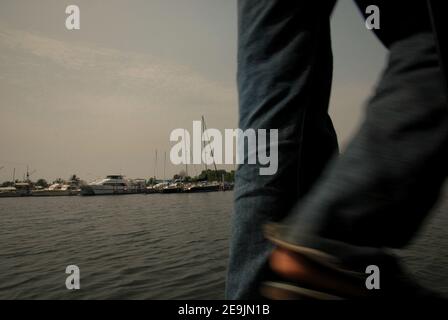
column 312, row 229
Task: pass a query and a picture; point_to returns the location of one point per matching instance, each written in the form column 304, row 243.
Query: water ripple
column 145, row 247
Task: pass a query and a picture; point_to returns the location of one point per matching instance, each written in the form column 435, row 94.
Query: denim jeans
column 378, row 191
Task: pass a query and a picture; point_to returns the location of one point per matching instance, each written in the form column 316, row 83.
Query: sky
column 102, row 99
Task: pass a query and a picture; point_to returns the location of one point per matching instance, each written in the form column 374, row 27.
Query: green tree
column 7, row 184
column 74, row 178
column 151, row 181
column 42, row 183
column 58, row 180
column 212, row 175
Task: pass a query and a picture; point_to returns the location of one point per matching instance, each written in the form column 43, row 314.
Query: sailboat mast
column 203, row 142
column 186, row 153
column 155, row 167
column 164, row 167
column 211, row 150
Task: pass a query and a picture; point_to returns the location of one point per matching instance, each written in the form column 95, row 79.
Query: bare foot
column 304, row 271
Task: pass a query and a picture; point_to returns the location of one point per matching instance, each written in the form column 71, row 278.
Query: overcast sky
column 102, row 99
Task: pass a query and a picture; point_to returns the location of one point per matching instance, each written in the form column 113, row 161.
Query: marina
column 117, row 184
column 111, row 185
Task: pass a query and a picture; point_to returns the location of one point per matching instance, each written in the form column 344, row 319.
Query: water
column 159, row 246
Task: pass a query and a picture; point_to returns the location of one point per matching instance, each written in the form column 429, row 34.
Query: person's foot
column 310, row 275
column 303, row 272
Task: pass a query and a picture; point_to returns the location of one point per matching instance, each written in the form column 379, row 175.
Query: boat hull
column 55, row 193
column 13, row 194
column 99, row 190
column 172, row 190
column 206, row 188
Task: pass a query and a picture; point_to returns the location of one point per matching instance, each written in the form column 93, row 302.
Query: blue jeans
column 378, row 191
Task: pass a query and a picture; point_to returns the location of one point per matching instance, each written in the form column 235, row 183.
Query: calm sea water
column 168, row 246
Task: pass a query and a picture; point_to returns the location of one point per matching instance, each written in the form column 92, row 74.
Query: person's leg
column 377, row 193
column 440, row 26
column 284, row 80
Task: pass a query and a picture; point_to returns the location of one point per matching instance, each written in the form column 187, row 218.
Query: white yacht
column 20, row 189
column 113, row 184
column 57, row 189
